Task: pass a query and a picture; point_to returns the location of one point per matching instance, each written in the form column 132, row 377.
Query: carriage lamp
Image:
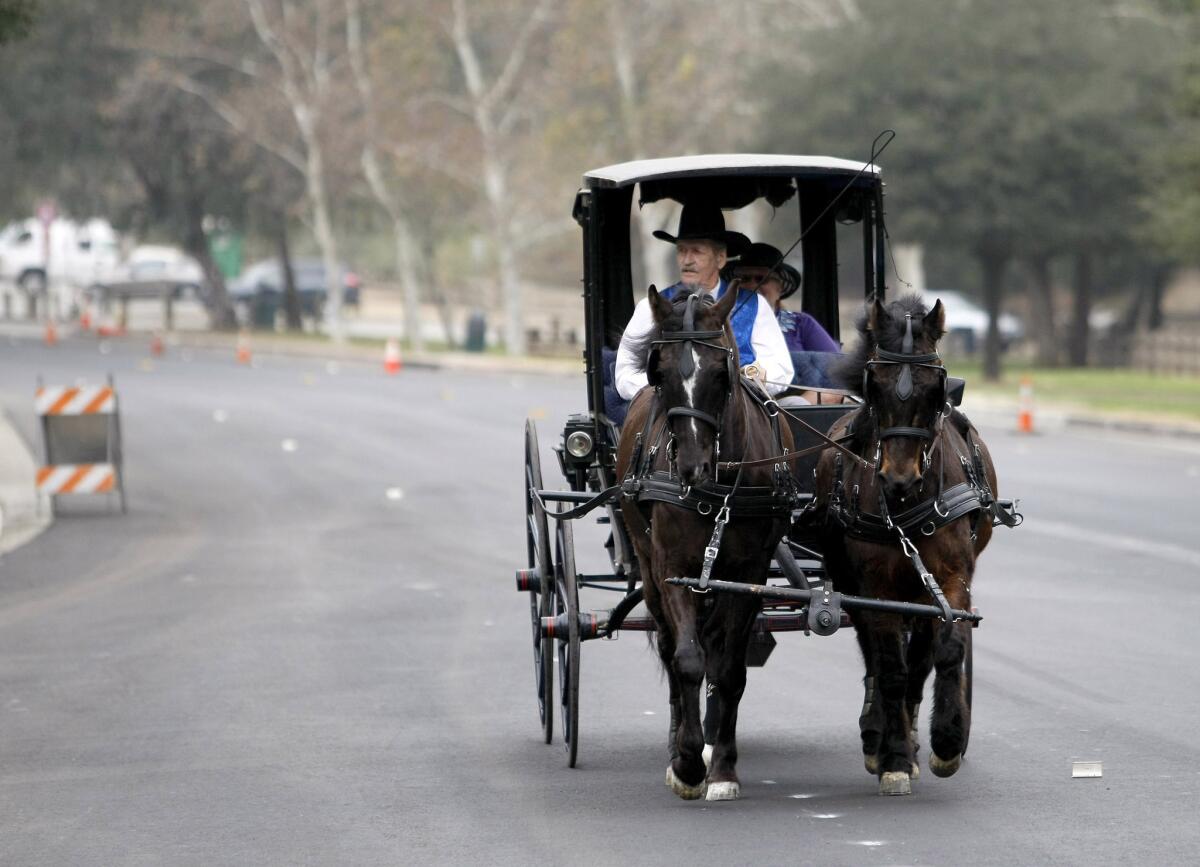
column 579, row 444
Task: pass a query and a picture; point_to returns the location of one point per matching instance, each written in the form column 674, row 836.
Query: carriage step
column 559, row 627
column 528, row 581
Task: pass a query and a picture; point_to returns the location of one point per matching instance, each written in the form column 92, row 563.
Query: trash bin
column 476, row 331
column 264, row 308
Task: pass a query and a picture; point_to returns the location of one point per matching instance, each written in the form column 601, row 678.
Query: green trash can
column 264, row 308
column 476, row 331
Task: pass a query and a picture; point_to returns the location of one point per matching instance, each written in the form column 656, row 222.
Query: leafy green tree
column 1023, row 127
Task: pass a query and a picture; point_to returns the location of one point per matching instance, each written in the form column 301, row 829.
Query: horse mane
column 889, row 335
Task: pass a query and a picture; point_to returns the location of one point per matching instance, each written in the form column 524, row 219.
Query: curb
column 1057, row 416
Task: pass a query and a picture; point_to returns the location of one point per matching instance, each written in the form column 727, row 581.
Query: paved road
column 313, row 654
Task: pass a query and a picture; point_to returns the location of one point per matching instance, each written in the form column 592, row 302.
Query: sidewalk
column 20, row 518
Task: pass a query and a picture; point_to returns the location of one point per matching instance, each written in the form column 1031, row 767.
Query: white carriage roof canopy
column 702, row 165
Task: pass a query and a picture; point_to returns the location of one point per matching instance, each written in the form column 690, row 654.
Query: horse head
column 694, row 366
column 904, row 388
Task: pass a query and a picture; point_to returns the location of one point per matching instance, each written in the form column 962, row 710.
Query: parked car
column 263, row 282
column 81, row 253
column 967, row 322
column 149, row 271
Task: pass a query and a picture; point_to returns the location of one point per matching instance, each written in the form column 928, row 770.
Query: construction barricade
column 81, row 436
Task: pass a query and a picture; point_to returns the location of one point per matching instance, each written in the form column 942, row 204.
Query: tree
column 1013, row 121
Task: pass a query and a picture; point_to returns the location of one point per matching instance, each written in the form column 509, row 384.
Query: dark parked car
column 261, row 285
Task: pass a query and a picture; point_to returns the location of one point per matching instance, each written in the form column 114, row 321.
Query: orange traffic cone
column 1025, row 406
column 391, row 356
column 51, row 333
column 243, row 347
column 85, row 318
column 156, row 344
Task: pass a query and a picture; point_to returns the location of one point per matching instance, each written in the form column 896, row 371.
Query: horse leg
column 895, row 750
column 664, row 640
column 920, row 662
column 951, row 717
column 870, row 720
column 725, row 658
column 685, row 774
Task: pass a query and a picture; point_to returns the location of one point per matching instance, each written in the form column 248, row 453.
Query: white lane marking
column 1115, row 541
column 395, row 494
column 289, row 445
column 802, row 796
column 824, row 815
column 332, row 368
column 870, row 843
column 647, row 713
column 220, row 416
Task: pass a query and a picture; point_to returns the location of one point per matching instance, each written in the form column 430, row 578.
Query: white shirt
column 770, row 348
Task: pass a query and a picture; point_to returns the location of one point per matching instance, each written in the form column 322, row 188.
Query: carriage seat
column 615, row 406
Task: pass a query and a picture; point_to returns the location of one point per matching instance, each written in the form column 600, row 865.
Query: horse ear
column 876, row 313
column 935, row 321
column 659, row 306
column 724, row 305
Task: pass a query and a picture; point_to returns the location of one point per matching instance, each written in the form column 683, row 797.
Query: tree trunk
column 195, row 243
column 496, row 187
column 291, row 298
column 323, row 232
column 1158, row 287
column 1077, row 342
column 994, row 265
column 1045, row 334
column 406, row 268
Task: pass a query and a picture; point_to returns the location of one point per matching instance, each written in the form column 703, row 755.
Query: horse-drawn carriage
column 788, row 541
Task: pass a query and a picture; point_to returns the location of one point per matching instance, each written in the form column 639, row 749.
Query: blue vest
column 745, row 311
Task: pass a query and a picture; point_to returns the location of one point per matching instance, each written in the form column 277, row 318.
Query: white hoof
column 707, row 755
column 723, row 792
column 682, row 789
column 916, row 771
column 895, row 783
column 944, row 767
column 871, row 763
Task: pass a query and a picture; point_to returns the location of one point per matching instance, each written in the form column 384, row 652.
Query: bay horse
column 909, row 529
column 682, row 432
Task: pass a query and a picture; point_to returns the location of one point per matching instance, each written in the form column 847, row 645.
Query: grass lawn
column 1102, row 390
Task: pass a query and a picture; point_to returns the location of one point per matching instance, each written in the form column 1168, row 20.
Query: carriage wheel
column 537, row 542
column 968, row 678
column 566, row 599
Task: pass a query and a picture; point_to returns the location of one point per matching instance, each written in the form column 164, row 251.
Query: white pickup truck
column 80, row 253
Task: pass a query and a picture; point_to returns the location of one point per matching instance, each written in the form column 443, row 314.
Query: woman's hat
column 766, row 256
column 705, row 223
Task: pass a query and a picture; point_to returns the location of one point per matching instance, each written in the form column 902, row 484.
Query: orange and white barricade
column 81, row 433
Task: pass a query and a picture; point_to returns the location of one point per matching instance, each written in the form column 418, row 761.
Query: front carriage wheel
column 566, row 600
column 537, row 542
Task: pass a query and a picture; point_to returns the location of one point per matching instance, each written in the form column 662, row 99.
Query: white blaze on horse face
column 689, row 388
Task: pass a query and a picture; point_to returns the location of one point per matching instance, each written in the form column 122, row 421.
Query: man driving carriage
column 702, row 248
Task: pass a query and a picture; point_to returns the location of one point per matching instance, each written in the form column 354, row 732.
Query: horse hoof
column 723, row 792
column 706, row 753
column 895, row 783
column 871, row 763
column 944, row 767
column 682, row 789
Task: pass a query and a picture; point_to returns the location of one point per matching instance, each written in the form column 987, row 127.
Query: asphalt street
column 302, row 645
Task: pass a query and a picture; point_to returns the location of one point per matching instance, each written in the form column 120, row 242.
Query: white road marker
column 289, row 445
column 333, row 368
column 647, row 713
column 802, row 797
column 1087, row 770
column 395, row 494
column 220, row 416
column 1115, row 541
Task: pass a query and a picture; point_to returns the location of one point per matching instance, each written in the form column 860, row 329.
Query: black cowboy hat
column 705, row 223
column 765, row 256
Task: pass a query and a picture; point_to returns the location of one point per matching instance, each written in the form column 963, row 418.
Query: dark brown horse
column 699, row 412
column 932, row 492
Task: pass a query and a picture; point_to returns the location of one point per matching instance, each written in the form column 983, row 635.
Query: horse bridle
column 689, row 336
column 907, row 360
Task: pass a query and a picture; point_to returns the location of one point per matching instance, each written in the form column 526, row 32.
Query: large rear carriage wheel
column 537, row 540
column 566, row 600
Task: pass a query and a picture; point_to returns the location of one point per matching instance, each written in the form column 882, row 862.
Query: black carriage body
column 825, row 191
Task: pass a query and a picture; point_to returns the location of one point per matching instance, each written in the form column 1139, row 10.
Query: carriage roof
column 705, row 165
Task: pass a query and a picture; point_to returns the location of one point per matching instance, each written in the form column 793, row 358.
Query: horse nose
column 697, row 474
column 900, row 488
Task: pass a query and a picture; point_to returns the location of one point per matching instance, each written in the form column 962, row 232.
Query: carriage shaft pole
column 795, row 594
